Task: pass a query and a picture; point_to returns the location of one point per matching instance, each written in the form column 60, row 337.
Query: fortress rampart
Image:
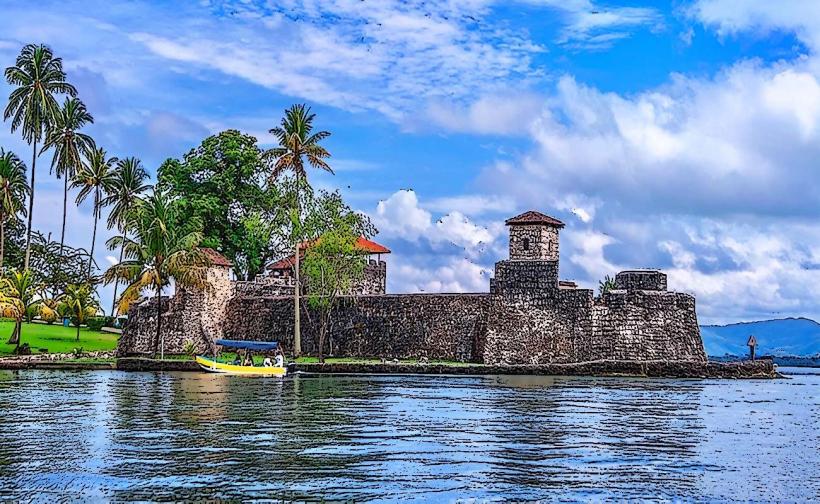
column 528, row 317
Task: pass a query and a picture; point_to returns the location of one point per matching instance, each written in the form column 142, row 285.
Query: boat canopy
column 248, row 345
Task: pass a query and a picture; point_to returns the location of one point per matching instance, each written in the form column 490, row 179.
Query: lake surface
column 145, row 436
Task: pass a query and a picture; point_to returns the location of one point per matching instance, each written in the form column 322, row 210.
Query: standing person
column 248, row 359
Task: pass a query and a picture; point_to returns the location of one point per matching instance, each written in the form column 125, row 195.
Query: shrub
column 97, row 323
column 189, row 348
column 77, row 351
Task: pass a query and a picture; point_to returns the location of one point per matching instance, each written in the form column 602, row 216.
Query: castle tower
column 533, row 236
column 531, row 272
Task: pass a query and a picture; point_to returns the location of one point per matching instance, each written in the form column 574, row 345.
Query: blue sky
column 683, row 136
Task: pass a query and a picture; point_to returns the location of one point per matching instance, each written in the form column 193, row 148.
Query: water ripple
column 154, row 436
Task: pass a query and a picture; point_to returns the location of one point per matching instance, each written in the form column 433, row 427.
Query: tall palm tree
column 14, row 190
column 123, row 197
column 96, row 177
column 70, row 146
column 37, row 77
column 157, row 251
column 79, row 302
column 297, row 143
column 20, row 293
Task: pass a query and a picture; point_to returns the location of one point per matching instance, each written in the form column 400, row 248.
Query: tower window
column 526, row 243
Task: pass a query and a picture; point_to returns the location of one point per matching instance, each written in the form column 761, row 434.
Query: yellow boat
column 265, row 347
column 213, row 366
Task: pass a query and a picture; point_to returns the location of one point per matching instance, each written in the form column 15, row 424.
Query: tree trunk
column 2, row 240
column 65, row 206
column 14, row 339
column 94, row 233
column 158, row 341
column 297, row 330
column 117, row 281
column 30, row 206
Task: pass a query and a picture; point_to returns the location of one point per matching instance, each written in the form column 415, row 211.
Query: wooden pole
column 297, row 334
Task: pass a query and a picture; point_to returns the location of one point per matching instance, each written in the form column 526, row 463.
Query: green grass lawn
column 56, row 338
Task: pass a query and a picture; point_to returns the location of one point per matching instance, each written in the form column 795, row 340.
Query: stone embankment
column 71, row 361
column 654, row 369
column 657, row 369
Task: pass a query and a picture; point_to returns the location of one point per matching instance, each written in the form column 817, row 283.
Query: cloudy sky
column 684, row 137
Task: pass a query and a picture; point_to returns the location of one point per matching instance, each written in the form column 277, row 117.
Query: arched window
column 526, row 243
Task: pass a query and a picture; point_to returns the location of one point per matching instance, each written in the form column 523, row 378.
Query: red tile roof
column 215, row 257
column 366, row 246
column 533, row 217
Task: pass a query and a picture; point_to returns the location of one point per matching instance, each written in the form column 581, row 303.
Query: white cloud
column 457, row 275
column 745, row 141
column 400, row 215
column 729, row 17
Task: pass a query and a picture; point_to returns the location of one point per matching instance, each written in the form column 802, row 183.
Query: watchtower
column 531, row 272
column 533, row 236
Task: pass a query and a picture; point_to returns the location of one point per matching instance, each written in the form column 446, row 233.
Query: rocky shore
column 658, row 369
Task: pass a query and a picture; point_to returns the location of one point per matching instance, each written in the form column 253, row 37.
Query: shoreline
column 758, row 369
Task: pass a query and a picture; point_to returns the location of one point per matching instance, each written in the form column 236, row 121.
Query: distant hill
column 790, row 336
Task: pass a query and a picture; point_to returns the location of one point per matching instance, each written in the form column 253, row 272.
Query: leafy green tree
column 14, row 189
column 124, row 196
column 70, row 145
column 297, row 143
column 606, row 285
column 333, row 263
column 157, row 251
column 56, row 270
column 37, row 77
column 219, row 187
column 80, row 304
column 96, row 177
column 20, row 292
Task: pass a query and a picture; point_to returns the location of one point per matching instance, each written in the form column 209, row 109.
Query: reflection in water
column 127, row 436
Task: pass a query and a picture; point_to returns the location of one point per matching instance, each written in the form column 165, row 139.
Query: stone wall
column 640, row 280
column 435, row 326
column 533, row 321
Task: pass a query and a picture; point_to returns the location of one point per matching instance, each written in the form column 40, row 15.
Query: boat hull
column 213, row 366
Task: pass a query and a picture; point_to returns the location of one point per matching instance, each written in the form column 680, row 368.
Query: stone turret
column 532, row 269
column 533, row 236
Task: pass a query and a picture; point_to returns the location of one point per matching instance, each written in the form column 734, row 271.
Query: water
column 146, row 436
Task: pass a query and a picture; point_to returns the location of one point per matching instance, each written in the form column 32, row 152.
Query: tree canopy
column 220, row 187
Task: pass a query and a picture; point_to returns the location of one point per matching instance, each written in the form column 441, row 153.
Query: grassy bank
column 56, row 338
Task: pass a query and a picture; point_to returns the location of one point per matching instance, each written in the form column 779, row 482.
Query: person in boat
column 238, row 360
column 248, row 359
column 267, row 362
column 280, row 359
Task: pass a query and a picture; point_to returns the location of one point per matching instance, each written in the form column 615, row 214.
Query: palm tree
column 79, row 302
column 123, row 197
column 606, row 285
column 297, row 143
column 157, row 252
column 97, row 176
column 37, row 76
column 20, row 294
column 70, row 146
column 13, row 192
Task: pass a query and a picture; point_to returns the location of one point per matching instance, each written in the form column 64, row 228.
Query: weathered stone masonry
column 528, row 317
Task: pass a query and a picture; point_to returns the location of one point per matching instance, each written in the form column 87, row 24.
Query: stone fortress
column 529, row 316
